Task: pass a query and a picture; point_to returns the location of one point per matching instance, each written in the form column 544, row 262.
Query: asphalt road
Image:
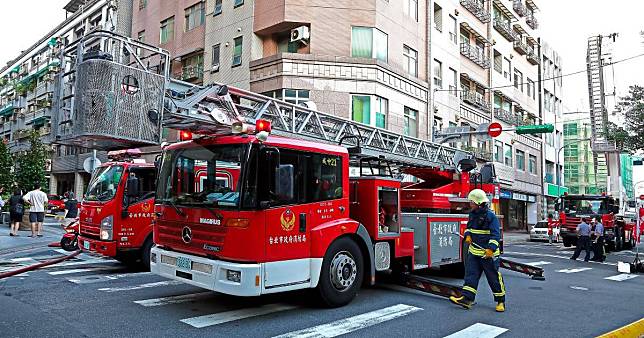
column 95, row 297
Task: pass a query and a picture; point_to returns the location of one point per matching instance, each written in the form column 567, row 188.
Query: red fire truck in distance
column 619, row 232
column 116, row 212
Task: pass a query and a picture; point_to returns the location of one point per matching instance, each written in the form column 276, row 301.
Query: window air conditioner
column 300, row 34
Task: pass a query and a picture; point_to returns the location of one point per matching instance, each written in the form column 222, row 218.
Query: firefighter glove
column 488, row 253
column 468, row 239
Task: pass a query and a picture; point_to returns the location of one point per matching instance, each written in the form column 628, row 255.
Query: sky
column 564, row 24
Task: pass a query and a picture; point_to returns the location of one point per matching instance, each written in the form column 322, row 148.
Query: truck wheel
column 342, row 273
column 145, row 253
column 69, row 243
column 619, row 240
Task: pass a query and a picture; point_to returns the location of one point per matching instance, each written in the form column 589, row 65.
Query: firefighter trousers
column 474, row 267
column 598, row 250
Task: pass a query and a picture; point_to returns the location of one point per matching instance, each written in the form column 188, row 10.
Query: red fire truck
column 619, row 232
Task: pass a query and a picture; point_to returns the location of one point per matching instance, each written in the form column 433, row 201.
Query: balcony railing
column 519, row 7
column 475, row 54
column 192, row 73
column 532, row 57
column 476, row 8
column 532, row 21
column 503, row 27
column 521, row 47
column 476, row 99
column 506, row 116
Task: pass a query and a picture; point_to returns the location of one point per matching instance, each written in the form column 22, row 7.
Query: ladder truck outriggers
column 268, row 196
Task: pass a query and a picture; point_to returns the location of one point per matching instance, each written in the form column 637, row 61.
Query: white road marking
column 230, row 316
column 91, row 279
column 173, row 299
column 71, row 271
column 87, row 262
column 479, row 330
column 23, row 259
column 350, row 324
column 539, row 263
column 511, row 253
column 578, row 288
column 141, row 286
column 621, row 277
column 63, row 251
column 573, row 270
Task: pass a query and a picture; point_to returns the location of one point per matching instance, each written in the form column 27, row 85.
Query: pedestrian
column 71, row 209
column 482, row 234
column 37, row 200
column 583, row 240
column 598, row 243
column 16, row 211
column 551, row 232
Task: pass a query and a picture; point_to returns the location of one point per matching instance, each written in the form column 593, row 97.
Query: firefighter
column 482, row 234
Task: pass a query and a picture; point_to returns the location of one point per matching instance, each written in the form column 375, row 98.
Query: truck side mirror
column 132, row 187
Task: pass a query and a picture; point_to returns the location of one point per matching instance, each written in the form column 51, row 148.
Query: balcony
column 532, row 21
column 506, row 116
column 475, row 54
column 477, row 8
column 476, row 99
column 532, row 57
column 503, row 27
column 521, row 47
column 194, row 72
column 520, row 8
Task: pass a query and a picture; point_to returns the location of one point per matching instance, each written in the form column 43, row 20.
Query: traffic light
column 535, row 129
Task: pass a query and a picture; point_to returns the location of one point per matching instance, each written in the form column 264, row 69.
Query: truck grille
column 169, row 233
column 572, row 222
column 90, row 231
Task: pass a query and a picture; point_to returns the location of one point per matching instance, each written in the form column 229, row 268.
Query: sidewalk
column 52, row 232
column 515, row 237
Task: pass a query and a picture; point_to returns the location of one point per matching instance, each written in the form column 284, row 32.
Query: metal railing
column 506, row 116
column 519, row 7
column 476, row 99
column 477, row 8
column 532, row 57
column 521, row 47
column 503, row 27
column 192, row 72
column 532, row 21
column 475, row 54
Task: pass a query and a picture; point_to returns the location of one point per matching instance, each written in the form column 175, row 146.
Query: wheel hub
column 343, row 271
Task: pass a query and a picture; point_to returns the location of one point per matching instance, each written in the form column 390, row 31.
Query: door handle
column 303, row 222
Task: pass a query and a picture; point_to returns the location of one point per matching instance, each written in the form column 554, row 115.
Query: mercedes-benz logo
column 186, row 235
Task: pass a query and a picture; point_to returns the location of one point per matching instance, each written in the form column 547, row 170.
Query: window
column 410, row 63
column 438, row 17
column 216, row 52
column 410, row 7
column 167, row 30
column 143, row 4
column 570, row 129
column 195, row 16
column 498, row 151
column 141, row 36
column 546, row 100
column 238, row 3
column 518, row 79
column 147, row 183
column 370, row 110
column 411, row 122
column 218, row 6
column 532, row 164
column 237, row 51
column 531, row 88
column 438, row 74
column 453, row 27
column 507, row 69
column 498, row 62
column 295, row 96
column 507, row 154
column 454, row 84
column 192, row 67
column 367, row 42
column 520, row 160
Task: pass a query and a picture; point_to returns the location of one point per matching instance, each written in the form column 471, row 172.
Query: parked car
column 55, row 203
column 539, row 231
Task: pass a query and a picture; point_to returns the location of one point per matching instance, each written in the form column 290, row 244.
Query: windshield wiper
column 175, row 207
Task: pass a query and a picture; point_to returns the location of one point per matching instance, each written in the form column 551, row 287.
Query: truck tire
column 342, row 273
column 69, row 244
column 145, row 253
column 619, row 240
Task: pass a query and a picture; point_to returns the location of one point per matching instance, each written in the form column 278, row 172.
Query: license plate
column 183, row 262
column 86, row 245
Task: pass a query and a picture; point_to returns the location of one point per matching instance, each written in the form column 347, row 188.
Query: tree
column 31, row 164
column 631, row 107
column 7, row 177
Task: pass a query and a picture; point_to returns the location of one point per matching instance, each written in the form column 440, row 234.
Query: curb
column 633, row 329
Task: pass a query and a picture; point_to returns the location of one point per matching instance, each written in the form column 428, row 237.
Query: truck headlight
column 107, row 226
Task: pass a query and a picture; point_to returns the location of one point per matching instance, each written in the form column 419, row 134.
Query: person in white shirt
column 37, row 200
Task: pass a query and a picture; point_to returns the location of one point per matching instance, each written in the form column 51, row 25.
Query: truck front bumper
column 220, row 276
column 105, row 248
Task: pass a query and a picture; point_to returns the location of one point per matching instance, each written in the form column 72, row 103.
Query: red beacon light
column 262, row 125
column 185, row 135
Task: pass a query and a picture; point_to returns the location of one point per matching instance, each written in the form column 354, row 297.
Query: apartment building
column 178, row 27
column 27, row 85
column 550, row 91
column 579, row 167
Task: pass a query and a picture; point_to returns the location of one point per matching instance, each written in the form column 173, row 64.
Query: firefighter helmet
column 478, row 196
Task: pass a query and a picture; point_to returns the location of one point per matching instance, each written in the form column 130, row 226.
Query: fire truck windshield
column 202, row 175
column 104, row 183
column 585, row 206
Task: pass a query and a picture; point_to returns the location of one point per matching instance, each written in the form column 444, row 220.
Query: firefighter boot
column 462, row 301
column 500, row 307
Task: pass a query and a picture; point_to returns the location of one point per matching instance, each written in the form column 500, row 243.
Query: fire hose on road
column 39, row 265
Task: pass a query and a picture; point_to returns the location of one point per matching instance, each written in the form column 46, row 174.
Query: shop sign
column 505, row 194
